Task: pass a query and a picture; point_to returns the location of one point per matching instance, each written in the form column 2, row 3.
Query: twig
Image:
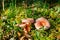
column 3, row 4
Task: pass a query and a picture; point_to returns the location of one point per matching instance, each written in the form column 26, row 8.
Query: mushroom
column 26, row 24
column 42, row 22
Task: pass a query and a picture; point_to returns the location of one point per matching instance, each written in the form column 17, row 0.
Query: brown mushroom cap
column 28, row 20
column 31, row 20
column 25, row 21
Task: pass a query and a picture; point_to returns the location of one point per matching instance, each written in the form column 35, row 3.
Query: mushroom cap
column 28, row 20
column 31, row 20
column 22, row 25
column 42, row 22
column 25, row 21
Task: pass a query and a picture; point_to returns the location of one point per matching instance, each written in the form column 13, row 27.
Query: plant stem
column 3, row 4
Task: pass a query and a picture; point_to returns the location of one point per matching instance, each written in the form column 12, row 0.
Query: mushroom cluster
column 40, row 23
column 26, row 23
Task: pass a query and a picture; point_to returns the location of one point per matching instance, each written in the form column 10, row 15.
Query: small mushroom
column 42, row 22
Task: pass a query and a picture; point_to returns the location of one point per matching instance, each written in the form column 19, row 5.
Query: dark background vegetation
column 28, row 2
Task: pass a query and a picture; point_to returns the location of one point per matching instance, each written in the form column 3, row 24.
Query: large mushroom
column 42, row 23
